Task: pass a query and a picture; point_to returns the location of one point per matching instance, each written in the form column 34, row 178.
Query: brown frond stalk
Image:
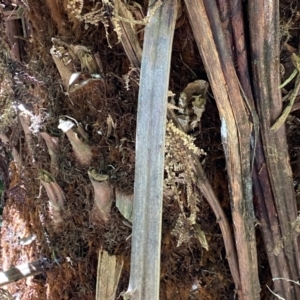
column 127, row 34
column 235, row 132
column 279, row 209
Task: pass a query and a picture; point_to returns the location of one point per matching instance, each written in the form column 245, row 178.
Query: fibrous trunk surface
column 70, row 76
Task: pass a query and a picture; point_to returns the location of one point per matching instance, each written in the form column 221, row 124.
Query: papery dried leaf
column 201, row 237
column 125, row 204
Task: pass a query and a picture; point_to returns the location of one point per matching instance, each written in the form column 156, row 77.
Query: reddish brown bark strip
column 268, row 222
column 239, row 46
column 265, row 208
column 12, row 29
column 235, row 131
column 225, row 16
column 264, row 33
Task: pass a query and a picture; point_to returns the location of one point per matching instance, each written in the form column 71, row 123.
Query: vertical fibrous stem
column 235, row 133
column 82, row 151
column 128, row 34
column 264, row 200
column 108, row 275
column 103, row 197
column 265, row 46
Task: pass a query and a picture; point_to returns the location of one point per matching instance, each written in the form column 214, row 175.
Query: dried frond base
column 56, row 198
column 103, row 197
column 82, row 151
column 108, row 275
column 52, row 145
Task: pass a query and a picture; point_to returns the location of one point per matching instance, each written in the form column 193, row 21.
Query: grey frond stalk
column 103, row 197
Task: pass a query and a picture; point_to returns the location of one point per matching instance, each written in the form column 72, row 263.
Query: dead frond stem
column 264, row 37
column 235, row 133
column 56, row 197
